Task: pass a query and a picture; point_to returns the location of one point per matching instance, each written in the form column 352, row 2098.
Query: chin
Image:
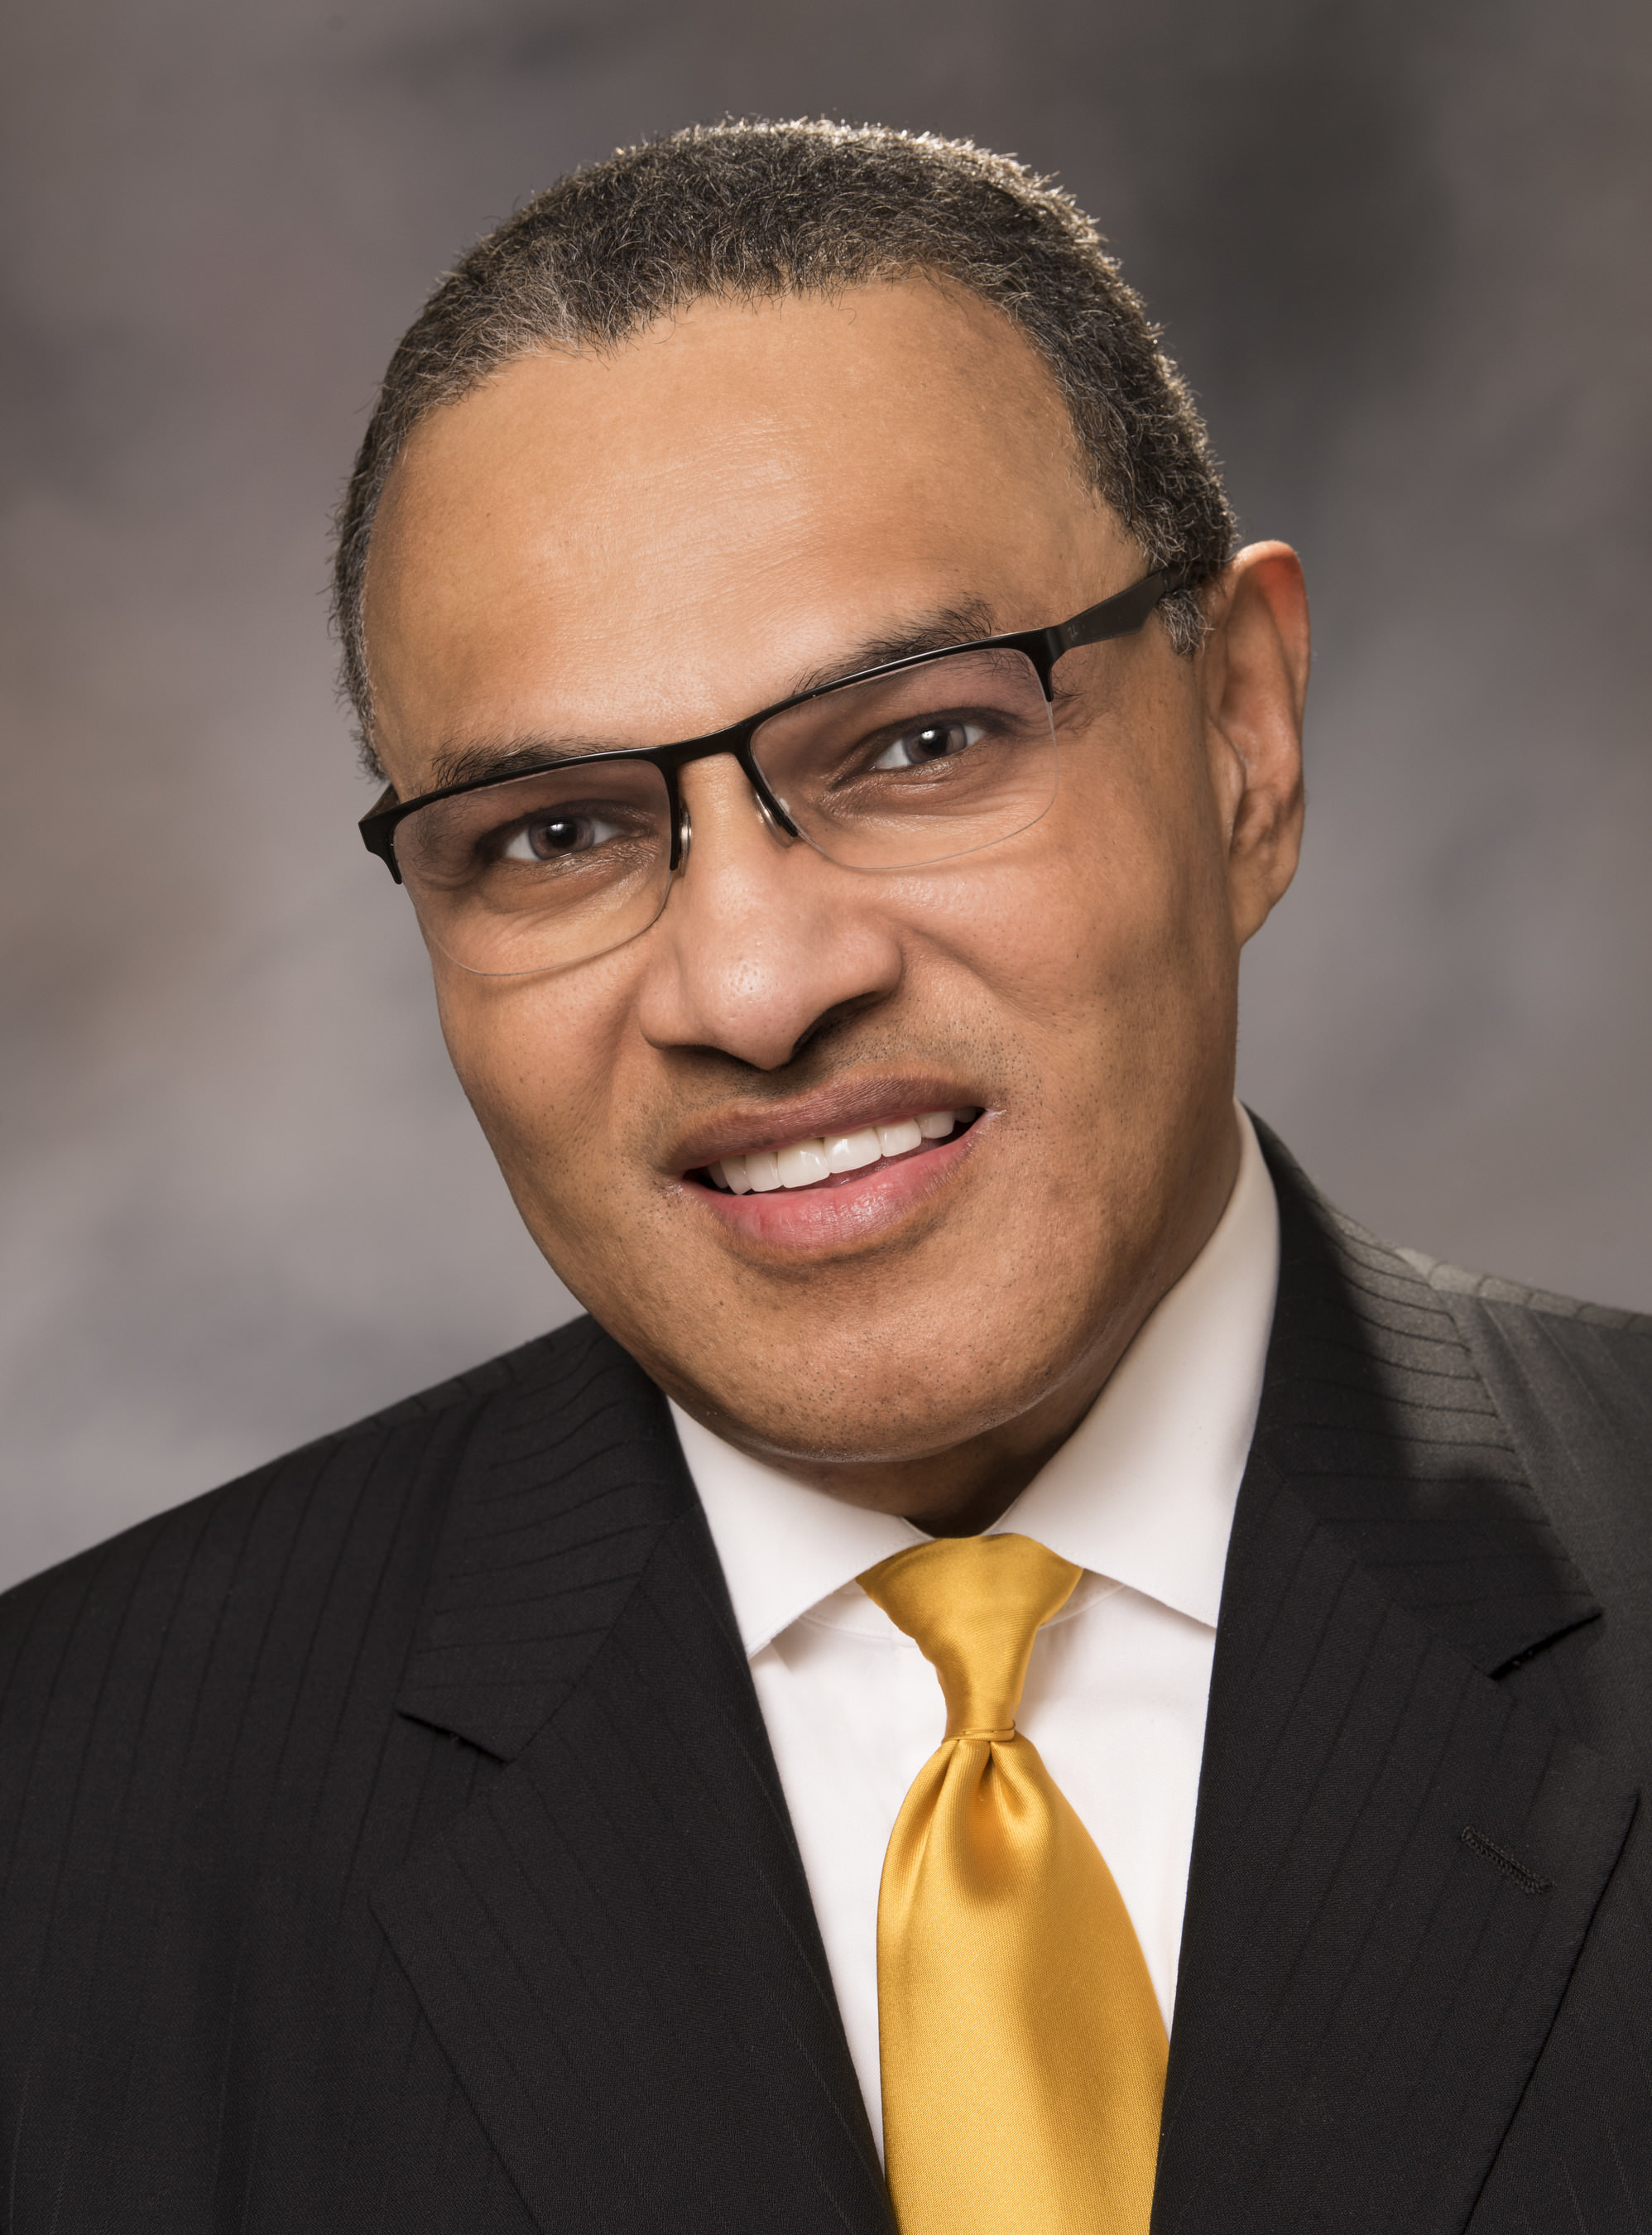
column 855, row 1409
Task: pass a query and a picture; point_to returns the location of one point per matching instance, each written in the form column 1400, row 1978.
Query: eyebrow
column 964, row 622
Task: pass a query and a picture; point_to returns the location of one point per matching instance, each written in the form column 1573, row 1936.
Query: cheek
column 1122, row 921
column 1142, row 867
column 536, row 1062
column 1108, row 959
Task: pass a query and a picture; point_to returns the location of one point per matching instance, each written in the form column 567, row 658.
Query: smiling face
column 598, row 551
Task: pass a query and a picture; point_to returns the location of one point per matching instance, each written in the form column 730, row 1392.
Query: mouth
column 822, row 1162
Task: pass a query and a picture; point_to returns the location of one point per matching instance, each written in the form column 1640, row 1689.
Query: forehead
column 663, row 534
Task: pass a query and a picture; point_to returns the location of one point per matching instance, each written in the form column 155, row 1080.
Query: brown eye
column 553, row 837
column 930, row 742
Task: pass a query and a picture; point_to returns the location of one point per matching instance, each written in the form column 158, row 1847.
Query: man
column 837, row 760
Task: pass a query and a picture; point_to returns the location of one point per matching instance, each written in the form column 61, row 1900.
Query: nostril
column 830, row 1021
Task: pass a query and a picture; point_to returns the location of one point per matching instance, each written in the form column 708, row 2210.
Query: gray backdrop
column 1400, row 251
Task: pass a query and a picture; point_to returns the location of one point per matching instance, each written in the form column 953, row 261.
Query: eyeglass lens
column 541, row 871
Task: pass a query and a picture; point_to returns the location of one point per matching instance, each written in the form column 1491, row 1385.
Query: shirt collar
column 1142, row 1490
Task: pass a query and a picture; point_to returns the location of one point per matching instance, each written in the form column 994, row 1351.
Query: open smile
column 825, row 1160
column 856, row 1179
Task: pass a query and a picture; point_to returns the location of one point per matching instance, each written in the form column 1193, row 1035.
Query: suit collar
column 1364, row 1987
column 1374, row 1413
column 569, row 1483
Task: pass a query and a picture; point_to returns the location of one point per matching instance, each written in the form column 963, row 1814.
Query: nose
column 762, row 938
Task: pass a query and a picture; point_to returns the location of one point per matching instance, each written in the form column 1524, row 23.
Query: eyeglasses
column 917, row 761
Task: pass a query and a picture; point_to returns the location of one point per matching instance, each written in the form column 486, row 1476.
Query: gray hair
column 748, row 212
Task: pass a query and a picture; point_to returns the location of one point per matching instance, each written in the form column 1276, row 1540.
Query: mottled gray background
column 1401, row 250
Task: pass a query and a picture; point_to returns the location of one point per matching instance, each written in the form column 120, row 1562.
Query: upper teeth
column 800, row 1163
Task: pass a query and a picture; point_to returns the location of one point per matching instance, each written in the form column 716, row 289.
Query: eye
column 553, row 837
column 927, row 742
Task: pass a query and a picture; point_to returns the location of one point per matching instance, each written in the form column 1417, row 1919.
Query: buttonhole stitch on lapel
column 1528, row 1881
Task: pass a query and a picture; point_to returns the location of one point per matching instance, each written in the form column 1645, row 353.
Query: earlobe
column 1254, row 673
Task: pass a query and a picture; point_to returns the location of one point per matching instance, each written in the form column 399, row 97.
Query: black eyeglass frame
column 1122, row 615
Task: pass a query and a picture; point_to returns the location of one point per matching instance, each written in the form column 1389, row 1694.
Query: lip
column 843, row 1108
column 854, row 1207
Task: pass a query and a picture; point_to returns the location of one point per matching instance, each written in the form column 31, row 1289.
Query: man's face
column 643, row 546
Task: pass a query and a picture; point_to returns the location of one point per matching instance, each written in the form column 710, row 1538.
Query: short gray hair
column 748, row 212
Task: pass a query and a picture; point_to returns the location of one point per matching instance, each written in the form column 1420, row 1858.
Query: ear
column 1254, row 677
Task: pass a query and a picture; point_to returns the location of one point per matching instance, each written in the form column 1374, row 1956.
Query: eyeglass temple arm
column 1123, row 615
column 375, row 836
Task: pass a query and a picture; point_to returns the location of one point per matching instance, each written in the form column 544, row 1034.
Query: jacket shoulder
column 1573, row 1375
column 1574, row 1382
column 1489, row 1289
column 288, row 1540
column 1585, row 1368
column 1561, row 1386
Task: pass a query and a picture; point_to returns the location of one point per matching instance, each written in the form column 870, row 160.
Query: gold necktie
column 1021, row 2046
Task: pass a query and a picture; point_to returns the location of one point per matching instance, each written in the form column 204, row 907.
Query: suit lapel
column 1395, row 1863
column 614, row 1943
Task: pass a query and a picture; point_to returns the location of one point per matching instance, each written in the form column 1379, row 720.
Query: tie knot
column 973, row 1605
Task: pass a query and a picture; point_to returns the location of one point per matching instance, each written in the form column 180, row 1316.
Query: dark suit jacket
column 390, row 1841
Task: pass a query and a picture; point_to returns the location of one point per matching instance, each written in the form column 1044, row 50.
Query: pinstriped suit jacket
column 391, row 1841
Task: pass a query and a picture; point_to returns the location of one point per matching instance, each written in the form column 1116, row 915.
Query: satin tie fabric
column 1020, row 2042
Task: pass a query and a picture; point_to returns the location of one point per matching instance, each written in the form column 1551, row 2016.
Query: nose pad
column 774, row 820
column 782, row 831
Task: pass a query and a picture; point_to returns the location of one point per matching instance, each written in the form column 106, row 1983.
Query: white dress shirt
column 1141, row 1497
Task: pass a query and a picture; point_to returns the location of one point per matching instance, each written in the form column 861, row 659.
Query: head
column 727, row 418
